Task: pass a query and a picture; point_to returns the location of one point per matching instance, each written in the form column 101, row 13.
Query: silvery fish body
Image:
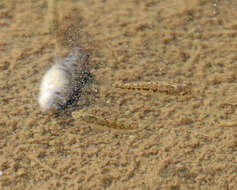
column 62, row 83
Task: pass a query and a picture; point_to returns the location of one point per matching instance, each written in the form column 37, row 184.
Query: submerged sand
column 132, row 129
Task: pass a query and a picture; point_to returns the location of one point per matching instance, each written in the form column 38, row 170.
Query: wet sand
column 160, row 112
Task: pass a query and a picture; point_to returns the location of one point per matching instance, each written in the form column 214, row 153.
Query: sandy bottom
column 160, row 113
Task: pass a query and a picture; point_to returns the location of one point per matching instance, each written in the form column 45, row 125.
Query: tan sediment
column 43, row 165
column 175, row 67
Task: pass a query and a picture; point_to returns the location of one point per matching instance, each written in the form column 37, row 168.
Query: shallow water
column 123, row 134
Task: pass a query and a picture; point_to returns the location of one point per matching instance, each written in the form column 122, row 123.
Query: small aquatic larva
column 62, row 83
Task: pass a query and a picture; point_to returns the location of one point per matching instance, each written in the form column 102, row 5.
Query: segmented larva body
column 110, row 123
column 155, row 87
column 62, row 83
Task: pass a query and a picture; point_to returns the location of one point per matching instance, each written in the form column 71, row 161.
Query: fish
column 62, row 84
